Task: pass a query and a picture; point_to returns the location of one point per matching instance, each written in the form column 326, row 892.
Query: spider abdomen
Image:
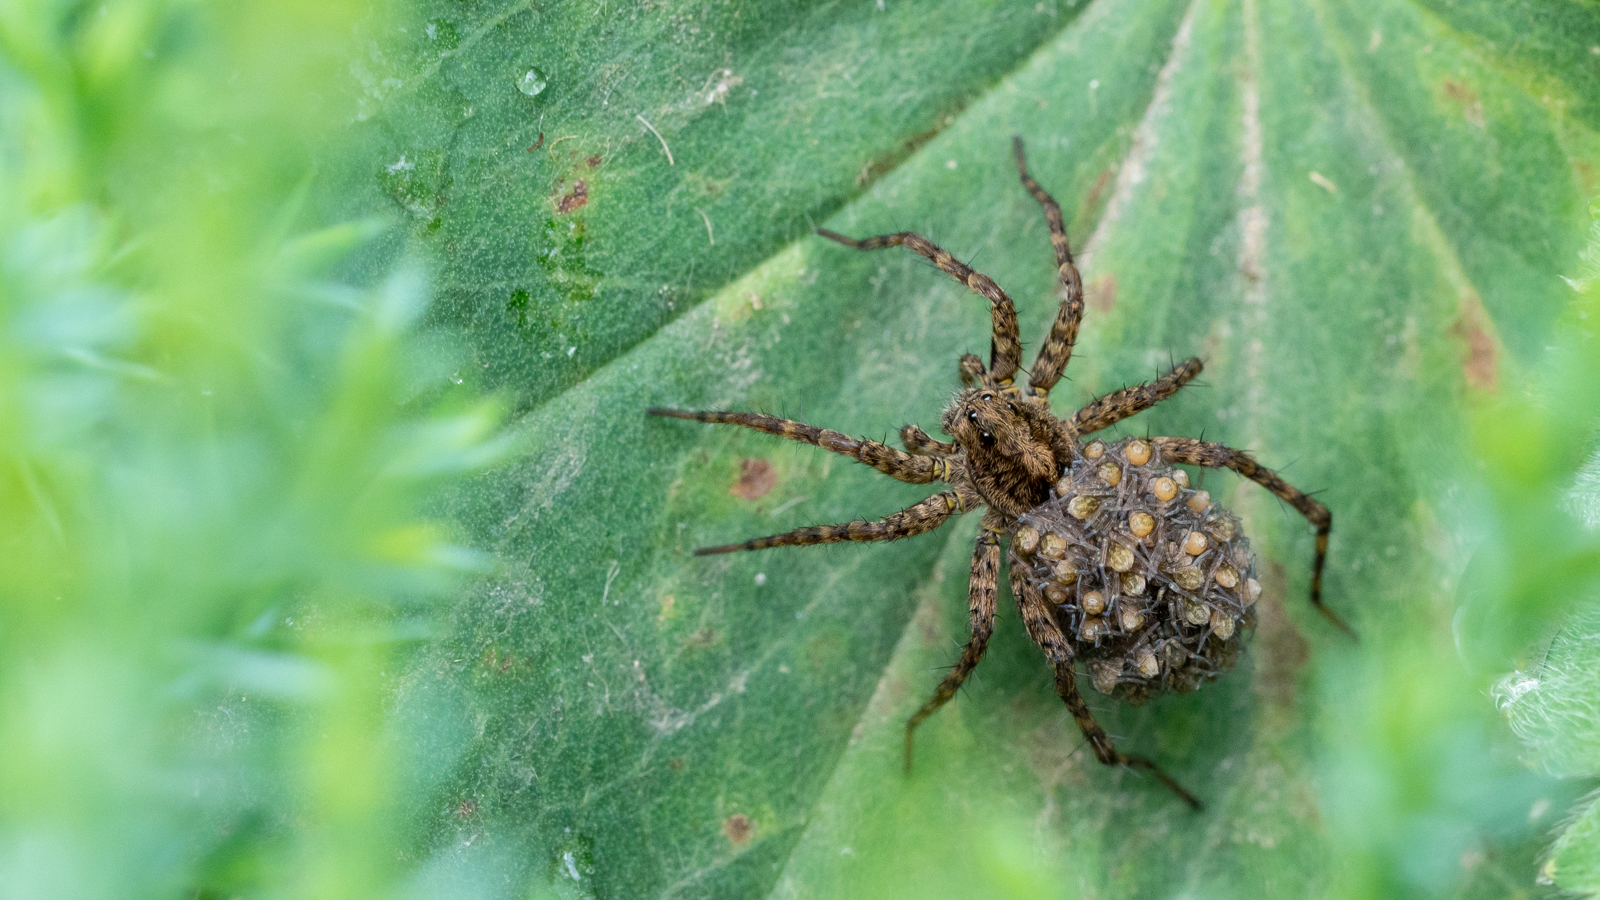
column 1152, row 582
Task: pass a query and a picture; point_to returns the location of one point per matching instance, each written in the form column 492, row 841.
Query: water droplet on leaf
column 532, row 82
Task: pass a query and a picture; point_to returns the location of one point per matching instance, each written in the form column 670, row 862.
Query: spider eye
column 972, row 415
column 988, row 396
column 1012, row 407
column 986, row 439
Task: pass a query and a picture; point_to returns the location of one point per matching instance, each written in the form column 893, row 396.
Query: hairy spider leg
column 1104, row 749
column 908, row 522
column 919, row 443
column 897, row 464
column 1104, row 412
column 1057, row 349
column 1005, row 352
column 1038, row 620
column 981, row 590
column 1218, row 456
column 971, row 370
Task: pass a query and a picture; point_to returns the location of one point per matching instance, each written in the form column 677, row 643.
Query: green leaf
column 1358, row 214
column 1547, row 575
column 247, row 642
column 702, row 137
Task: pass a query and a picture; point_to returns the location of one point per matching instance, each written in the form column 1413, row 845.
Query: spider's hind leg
column 1104, row 749
column 1219, row 456
column 1039, row 620
column 981, row 606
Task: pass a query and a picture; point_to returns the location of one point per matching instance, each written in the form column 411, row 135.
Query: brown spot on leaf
column 1091, row 200
column 1281, row 651
column 1048, row 751
column 1586, row 175
column 676, row 764
column 498, row 662
column 466, row 808
column 593, row 161
column 1455, row 90
column 756, row 478
column 930, row 624
column 1471, row 106
column 705, row 637
column 1481, row 364
column 875, row 168
column 1101, row 293
column 575, row 198
column 738, row 827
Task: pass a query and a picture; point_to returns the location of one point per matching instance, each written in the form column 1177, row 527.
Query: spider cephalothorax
column 1114, row 559
column 1012, row 446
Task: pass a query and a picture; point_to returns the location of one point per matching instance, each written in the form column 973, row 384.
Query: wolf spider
column 1114, row 559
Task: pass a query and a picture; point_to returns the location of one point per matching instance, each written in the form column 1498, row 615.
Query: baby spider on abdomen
column 1114, row 559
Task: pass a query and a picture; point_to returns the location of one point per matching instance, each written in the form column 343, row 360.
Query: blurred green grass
column 216, row 456
column 288, row 609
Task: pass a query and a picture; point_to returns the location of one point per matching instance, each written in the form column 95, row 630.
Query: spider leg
column 1104, row 749
column 1005, row 352
column 913, row 520
column 980, row 603
column 1217, row 456
column 1037, row 619
column 1106, row 411
column 897, row 464
column 1057, row 349
column 972, row 371
column 917, row 442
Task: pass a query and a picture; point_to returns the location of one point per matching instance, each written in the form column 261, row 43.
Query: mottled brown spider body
column 1012, row 446
column 1114, row 559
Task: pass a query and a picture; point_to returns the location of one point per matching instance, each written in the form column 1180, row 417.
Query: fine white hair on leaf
column 1555, row 709
column 1583, row 500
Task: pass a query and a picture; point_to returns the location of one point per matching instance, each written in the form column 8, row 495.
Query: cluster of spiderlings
column 1153, row 583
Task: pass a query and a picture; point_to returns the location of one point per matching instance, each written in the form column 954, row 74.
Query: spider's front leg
column 913, row 520
column 918, row 443
column 1218, row 456
column 1057, row 350
column 1104, row 749
column 971, row 370
column 1104, row 412
column 981, row 608
column 1005, row 354
column 896, row 464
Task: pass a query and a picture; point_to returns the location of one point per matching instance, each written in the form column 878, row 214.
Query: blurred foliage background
column 337, row 557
